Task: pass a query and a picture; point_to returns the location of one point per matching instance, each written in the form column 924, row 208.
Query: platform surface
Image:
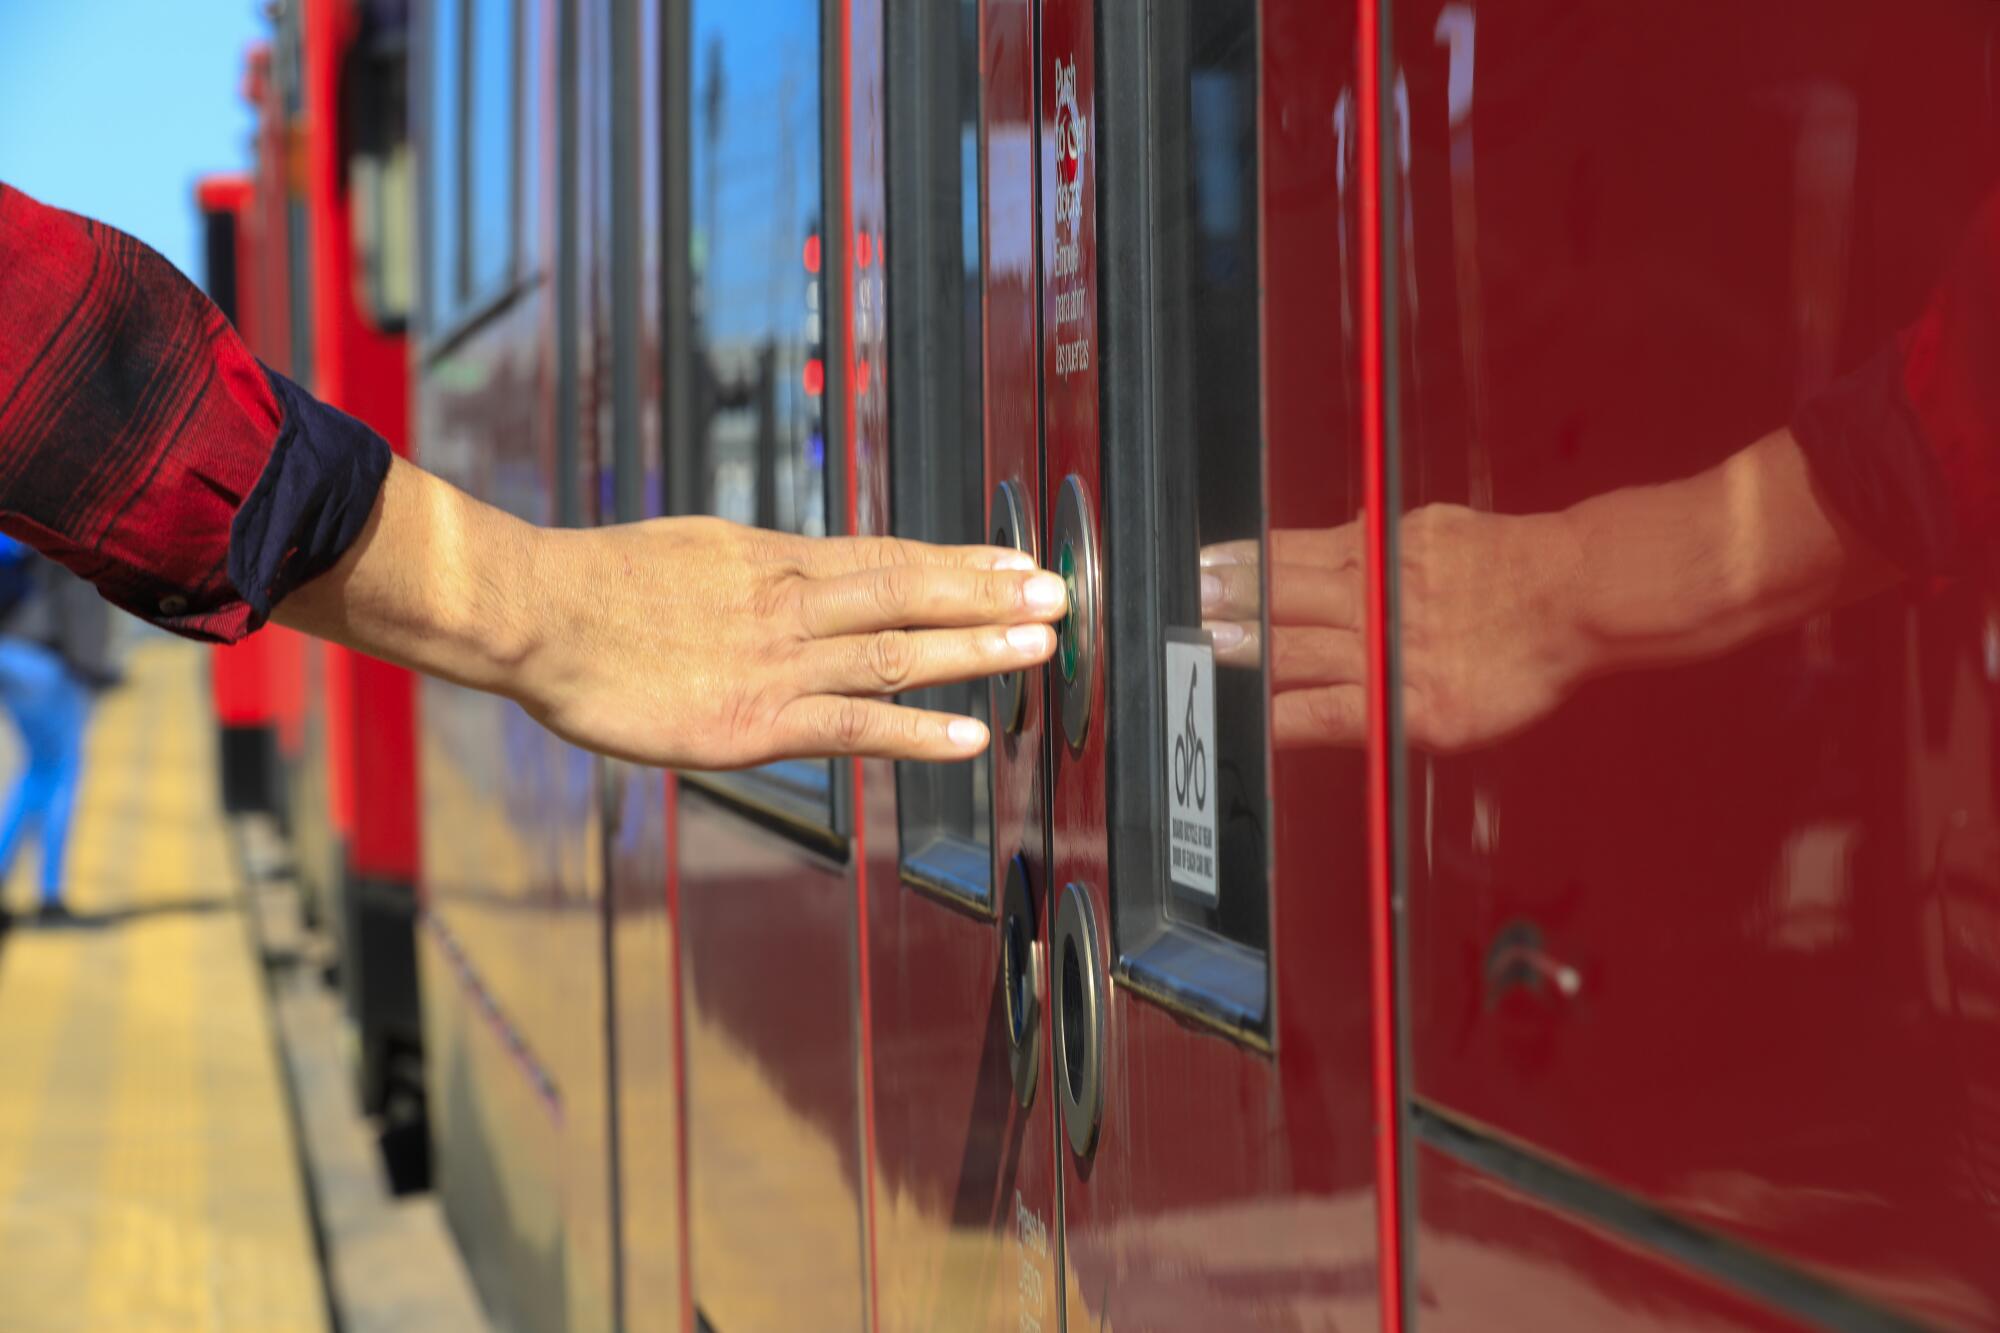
column 149, row 1175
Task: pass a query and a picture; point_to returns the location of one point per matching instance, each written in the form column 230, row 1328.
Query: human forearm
column 1697, row 567
column 436, row 582
column 690, row 642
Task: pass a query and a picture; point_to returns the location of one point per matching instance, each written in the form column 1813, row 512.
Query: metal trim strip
column 1765, row 1278
column 741, row 797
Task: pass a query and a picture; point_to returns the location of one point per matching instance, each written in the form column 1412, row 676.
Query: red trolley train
column 1211, row 999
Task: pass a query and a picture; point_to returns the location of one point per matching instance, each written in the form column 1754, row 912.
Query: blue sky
column 113, row 108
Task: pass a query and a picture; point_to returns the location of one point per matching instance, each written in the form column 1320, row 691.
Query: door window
column 441, row 175
column 1188, row 749
column 489, row 148
column 936, row 409
column 762, row 305
column 474, row 99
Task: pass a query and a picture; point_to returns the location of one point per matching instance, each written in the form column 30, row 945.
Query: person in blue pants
column 54, row 635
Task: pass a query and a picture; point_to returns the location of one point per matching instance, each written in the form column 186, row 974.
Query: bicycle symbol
column 1191, row 754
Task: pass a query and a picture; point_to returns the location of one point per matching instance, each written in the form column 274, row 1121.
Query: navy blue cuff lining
column 1870, row 462
column 314, row 497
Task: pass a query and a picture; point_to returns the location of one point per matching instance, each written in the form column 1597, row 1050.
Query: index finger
column 1329, row 548
column 831, row 557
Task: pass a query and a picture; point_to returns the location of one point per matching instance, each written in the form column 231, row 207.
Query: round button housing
column 1074, row 538
column 1013, row 528
column 1021, row 980
column 1078, row 987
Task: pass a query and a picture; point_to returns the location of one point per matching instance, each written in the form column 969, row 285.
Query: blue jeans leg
column 50, row 707
column 25, row 807
column 67, row 763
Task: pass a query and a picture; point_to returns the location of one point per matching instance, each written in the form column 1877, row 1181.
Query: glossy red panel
column 965, row 1186
column 1492, row 1259
column 646, row 1031
column 1711, row 921
column 773, row 1095
column 1231, row 1186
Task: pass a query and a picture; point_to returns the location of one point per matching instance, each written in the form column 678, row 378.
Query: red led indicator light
column 863, row 252
column 812, row 254
column 815, row 378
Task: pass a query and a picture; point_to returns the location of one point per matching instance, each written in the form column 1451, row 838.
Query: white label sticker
column 1190, row 735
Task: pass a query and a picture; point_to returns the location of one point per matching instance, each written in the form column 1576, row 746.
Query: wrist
column 1576, row 645
column 514, row 589
column 1660, row 580
column 480, row 602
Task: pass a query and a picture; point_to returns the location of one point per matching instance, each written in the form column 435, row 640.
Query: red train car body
column 322, row 264
column 1198, row 1004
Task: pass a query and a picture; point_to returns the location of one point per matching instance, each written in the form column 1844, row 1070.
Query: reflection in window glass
column 936, row 421
column 1188, row 478
column 442, row 269
column 758, row 257
column 1209, row 410
column 490, row 148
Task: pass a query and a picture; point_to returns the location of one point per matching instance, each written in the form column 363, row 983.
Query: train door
column 1208, row 959
column 641, row 960
column 1123, row 1056
column 966, row 1205
column 1702, row 938
column 764, row 859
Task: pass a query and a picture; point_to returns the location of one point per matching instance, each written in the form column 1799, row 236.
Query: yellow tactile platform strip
column 148, row 1176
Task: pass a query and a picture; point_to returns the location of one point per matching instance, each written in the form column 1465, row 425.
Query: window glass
column 758, row 257
column 446, row 52
column 1188, row 752
column 936, row 408
column 489, row 147
column 760, row 304
column 381, row 173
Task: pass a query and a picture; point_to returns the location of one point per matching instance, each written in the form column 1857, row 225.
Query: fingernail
column 1211, row 590
column 1046, row 592
column 1029, row 639
column 1012, row 560
column 1226, row 634
column 966, row 734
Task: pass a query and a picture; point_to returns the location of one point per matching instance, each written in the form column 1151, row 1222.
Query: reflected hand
column 1488, row 635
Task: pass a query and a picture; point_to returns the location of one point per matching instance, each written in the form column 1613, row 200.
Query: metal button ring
column 1021, row 981
column 1074, row 539
column 1077, row 982
column 1011, row 527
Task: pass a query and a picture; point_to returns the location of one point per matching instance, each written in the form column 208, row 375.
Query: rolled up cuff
column 1871, row 463
column 311, row 502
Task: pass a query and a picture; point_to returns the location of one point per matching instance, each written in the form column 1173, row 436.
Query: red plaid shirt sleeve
column 1907, row 449
column 141, row 444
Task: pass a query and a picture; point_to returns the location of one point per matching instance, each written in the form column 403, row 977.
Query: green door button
column 1073, row 535
column 1066, row 631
